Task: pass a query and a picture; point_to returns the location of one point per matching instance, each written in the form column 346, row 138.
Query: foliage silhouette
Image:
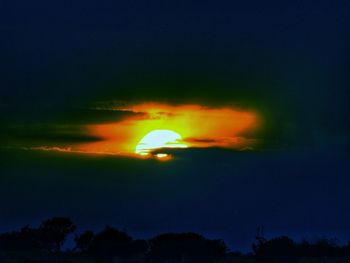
column 44, row 244
column 284, row 249
column 109, row 244
column 84, row 241
column 185, row 247
column 54, row 232
column 27, row 240
column 278, row 249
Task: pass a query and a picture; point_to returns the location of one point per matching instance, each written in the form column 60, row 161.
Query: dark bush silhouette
column 55, row 231
column 49, row 237
column 285, row 249
column 84, row 241
column 186, row 247
column 35, row 242
column 323, row 248
column 44, row 244
column 25, row 241
column 277, row 249
column 109, row 244
column 138, row 248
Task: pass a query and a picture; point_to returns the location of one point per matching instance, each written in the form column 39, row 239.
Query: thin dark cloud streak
column 62, row 126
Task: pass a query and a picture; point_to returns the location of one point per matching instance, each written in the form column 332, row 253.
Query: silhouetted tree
column 185, row 247
column 25, row 240
column 54, row 232
column 276, row 250
column 110, row 243
column 346, row 250
column 84, row 241
column 138, row 248
column 21, row 245
column 323, row 248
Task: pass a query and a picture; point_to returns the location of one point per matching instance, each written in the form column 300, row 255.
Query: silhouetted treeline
column 44, row 245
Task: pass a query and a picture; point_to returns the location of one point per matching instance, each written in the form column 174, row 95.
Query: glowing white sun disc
column 158, row 139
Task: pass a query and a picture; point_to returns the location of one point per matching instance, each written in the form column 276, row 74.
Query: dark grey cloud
column 98, row 116
column 203, row 140
column 56, row 126
column 65, row 115
column 52, row 133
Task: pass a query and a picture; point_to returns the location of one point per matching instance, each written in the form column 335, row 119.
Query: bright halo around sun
column 158, row 139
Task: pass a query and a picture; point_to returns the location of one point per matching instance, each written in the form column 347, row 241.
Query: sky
column 257, row 90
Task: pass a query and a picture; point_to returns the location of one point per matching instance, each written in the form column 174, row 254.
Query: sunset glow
column 195, row 125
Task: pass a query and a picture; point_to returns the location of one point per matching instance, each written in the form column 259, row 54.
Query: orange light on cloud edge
column 198, row 126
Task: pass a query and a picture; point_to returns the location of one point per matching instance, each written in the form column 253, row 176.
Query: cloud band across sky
column 117, row 130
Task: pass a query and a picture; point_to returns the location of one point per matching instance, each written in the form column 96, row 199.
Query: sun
column 158, row 139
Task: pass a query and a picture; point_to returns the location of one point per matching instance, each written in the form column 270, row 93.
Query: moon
column 158, row 139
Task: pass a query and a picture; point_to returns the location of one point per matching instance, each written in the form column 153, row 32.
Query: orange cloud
column 199, row 126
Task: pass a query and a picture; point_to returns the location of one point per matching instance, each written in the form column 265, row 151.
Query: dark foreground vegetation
column 44, row 245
